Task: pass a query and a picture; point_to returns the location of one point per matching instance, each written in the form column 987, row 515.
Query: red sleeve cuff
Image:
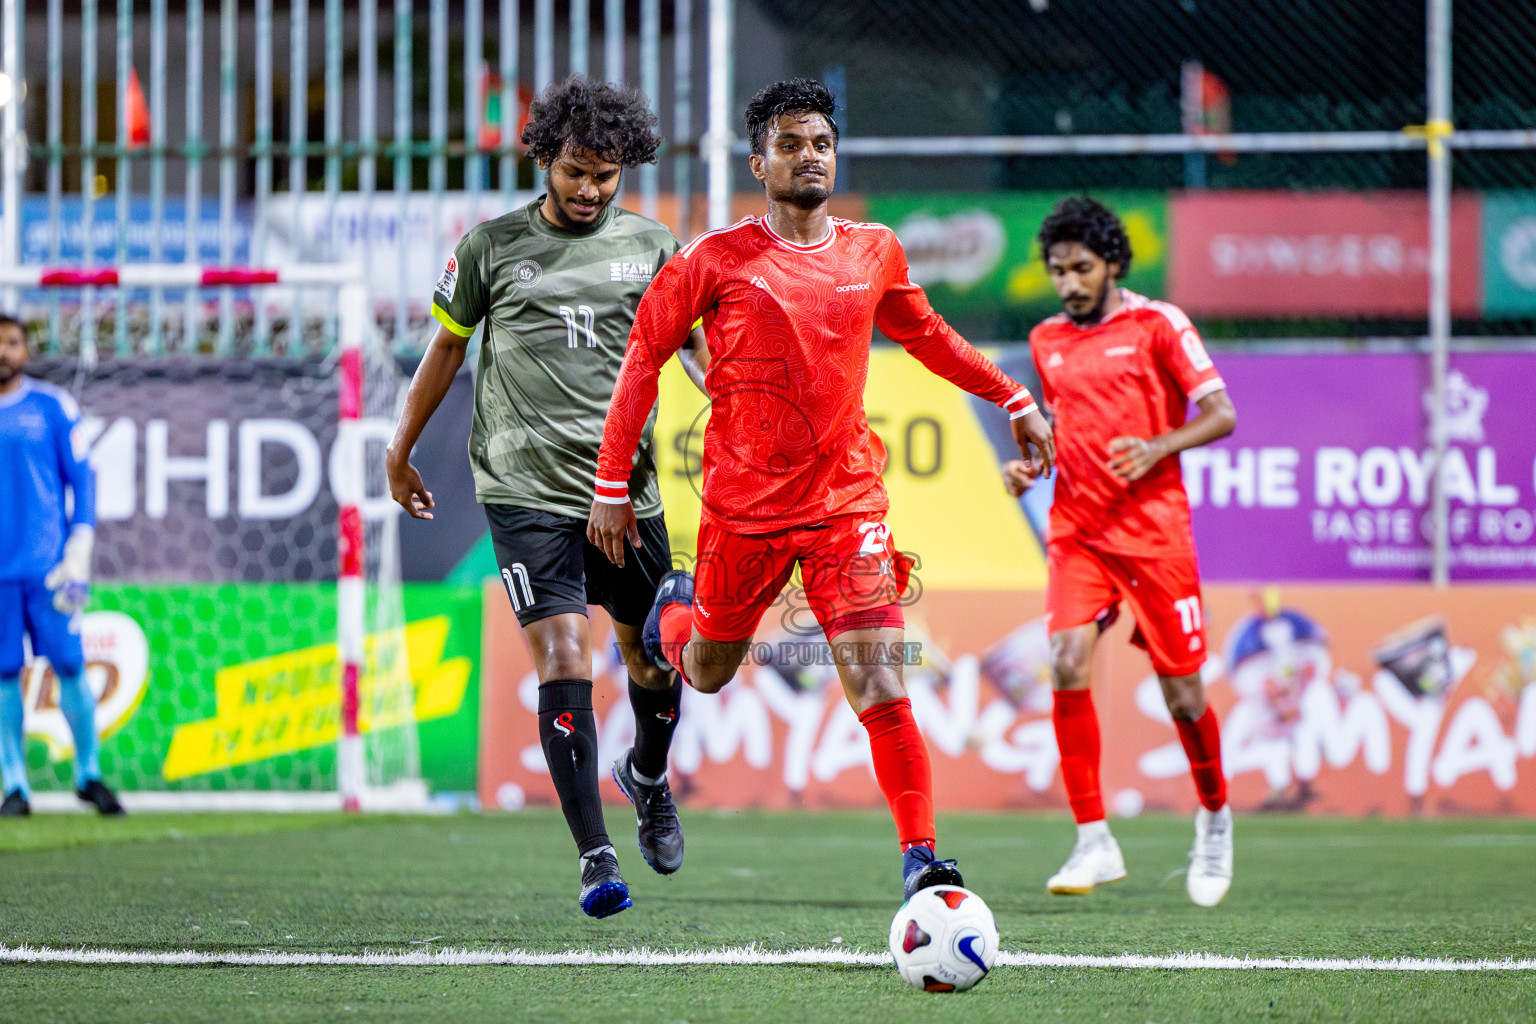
column 1021, row 404
column 612, row 492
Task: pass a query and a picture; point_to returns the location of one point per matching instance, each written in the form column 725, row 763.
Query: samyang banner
column 1384, row 700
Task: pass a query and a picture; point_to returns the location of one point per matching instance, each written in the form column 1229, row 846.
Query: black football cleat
column 97, row 794
column 603, row 892
column 660, row 831
column 920, row 871
column 16, row 805
column 676, row 587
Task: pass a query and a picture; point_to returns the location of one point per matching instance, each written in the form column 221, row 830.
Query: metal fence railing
column 271, row 131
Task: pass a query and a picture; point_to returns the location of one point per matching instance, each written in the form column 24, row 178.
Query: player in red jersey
column 791, row 468
column 1119, row 370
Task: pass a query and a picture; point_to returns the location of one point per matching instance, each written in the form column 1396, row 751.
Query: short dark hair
column 6, row 320
column 794, row 96
column 612, row 122
column 1086, row 220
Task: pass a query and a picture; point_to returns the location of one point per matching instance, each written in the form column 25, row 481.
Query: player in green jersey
column 556, row 285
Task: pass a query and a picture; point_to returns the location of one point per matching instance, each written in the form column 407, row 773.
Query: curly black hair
column 1086, row 220
column 794, row 96
column 615, row 123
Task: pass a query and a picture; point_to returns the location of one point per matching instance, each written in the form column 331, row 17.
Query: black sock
column 568, row 734
column 655, row 722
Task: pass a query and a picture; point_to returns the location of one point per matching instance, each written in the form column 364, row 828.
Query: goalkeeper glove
column 70, row 580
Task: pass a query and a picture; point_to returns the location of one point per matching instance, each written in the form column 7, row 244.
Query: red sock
column 1077, row 737
column 1202, row 745
column 676, row 631
column 902, row 769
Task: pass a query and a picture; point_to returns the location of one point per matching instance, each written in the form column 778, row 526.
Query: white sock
column 1093, row 831
column 646, row 780
column 588, row 856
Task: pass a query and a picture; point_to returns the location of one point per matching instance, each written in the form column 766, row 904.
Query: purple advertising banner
column 1328, row 476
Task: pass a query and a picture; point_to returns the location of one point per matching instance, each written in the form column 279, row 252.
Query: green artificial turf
column 1304, row 887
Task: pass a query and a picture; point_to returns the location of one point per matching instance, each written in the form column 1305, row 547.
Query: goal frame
column 350, row 479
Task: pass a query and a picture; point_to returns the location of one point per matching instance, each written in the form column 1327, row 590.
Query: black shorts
column 549, row 567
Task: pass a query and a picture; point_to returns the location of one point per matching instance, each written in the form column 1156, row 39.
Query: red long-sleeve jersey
column 789, row 329
column 1132, row 375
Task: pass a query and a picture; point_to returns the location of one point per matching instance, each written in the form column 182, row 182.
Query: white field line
column 748, row 956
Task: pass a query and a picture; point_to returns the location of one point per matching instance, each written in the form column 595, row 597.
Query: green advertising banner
column 236, row 687
column 976, row 252
column 1509, row 254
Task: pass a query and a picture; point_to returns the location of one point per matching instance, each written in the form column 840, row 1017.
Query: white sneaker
column 1210, row 861
column 1095, row 861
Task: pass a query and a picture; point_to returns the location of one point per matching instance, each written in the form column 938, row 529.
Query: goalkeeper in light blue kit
column 45, row 566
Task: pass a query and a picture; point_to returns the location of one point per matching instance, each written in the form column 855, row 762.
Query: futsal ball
column 944, row 939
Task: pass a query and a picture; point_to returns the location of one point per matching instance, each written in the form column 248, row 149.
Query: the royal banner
column 1329, row 473
column 1286, row 254
column 1384, row 700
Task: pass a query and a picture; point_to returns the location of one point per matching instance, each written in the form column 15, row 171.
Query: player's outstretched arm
column 1132, row 458
column 428, row 388
column 905, row 316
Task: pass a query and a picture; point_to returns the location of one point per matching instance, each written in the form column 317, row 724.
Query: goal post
column 376, row 764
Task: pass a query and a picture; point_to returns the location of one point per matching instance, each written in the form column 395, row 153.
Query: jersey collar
column 1129, row 300
column 556, row 231
column 21, row 392
column 795, row 247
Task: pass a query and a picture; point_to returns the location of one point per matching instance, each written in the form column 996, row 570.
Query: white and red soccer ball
column 944, row 939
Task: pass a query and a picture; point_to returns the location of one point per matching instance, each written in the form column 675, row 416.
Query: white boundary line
column 747, row 956
column 407, row 797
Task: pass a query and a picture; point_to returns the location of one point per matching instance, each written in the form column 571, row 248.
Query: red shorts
column 852, row 577
column 1085, row 584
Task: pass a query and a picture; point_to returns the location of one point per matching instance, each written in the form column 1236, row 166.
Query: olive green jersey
column 557, row 308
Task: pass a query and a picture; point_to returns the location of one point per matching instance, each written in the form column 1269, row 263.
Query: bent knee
column 561, row 662
column 1186, row 707
column 648, row 676
column 1185, row 697
column 1069, row 671
column 709, row 682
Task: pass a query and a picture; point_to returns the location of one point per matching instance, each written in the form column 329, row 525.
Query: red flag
column 137, row 112
column 1205, row 104
column 493, row 118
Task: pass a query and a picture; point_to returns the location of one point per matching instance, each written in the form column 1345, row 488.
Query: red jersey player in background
column 791, row 468
column 1118, row 370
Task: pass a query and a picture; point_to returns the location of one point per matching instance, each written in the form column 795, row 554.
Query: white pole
column 650, row 84
column 1438, row 124
column 351, row 611
column 717, row 141
column 10, row 143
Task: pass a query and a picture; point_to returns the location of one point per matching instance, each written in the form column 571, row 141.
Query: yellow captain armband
column 450, row 323
column 697, row 324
